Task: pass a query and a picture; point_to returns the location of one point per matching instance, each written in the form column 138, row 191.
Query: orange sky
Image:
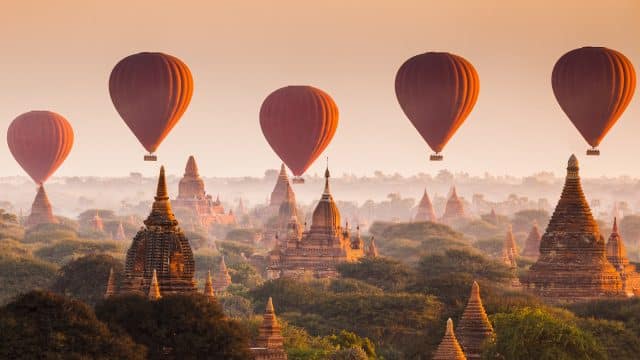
column 57, row 55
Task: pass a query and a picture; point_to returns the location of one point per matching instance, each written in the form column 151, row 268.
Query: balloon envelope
column 298, row 122
column 593, row 86
column 437, row 91
column 40, row 142
column 151, row 91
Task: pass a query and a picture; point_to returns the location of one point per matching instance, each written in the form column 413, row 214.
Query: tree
column 86, row 278
column 630, row 230
column 42, row 325
column 524, row 219
column 64, row 251
column 531, row 333
column 387, row 274
column 184, row 326
column 21, row 273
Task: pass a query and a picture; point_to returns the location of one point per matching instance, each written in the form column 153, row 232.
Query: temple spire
column 474, row 327
column 208, row 287
column 191, row 169
column 615, row 226
column 449, row 348
column 222, row 279
column 111, row 285
column 327, row 175
column 154, row 288
column 270, row 336
column 161, row 190
column 41, row 211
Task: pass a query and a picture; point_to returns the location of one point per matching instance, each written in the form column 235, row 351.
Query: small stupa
column 454, row 209
column 492, row 218
column 41, row 212
column 280, row 190
column 425, row 210
column 449, row 348
column 532, row 244
column 509, row 249
column 474, row 327
column 154, row 289
column 617, row 256
column 573, row 265
column 208, row 288
column 221, row 279
column 97, row 224
column 371, row 251
column 111, row 285
column 270, row 343
column 120, row 235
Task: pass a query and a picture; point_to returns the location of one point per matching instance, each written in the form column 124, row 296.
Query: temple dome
column 326, row 215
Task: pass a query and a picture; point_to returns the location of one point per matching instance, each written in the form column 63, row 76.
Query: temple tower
column 509, row 249
column 160, row 248
column 111, row 285
column 474, row 327
column 191, row 185
column 208, row 288
column 280, row 190
column 449, row 348
column 97, row 224
column 41, row 212
column 154, row 289
column 425, row 210
column 493, row 217
column 532, row 244
column 454, row 209
column 221, row 279
column 573, row 265
column 617, row 256
column 120, row 235
column 269, row 344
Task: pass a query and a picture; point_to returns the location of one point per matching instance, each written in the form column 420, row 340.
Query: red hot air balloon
column 298, row 122
column 593, row 86
column 40, row 141
column 151, row 91
column 437, row 92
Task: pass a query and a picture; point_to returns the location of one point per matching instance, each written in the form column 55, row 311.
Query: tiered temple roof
column 270, row 343
column 160, row 247
column 221, row 278
column 510, row 249
column 454, row 209
column 572, row 265
column 474, row 327
column 280, row 190
column 617, row 256
column 192, row 196
column 208, row 288
column 120, row 235
column 532, row 244
column 449, row 348
column 316, row 251
column 41, row 212
column 425, row 210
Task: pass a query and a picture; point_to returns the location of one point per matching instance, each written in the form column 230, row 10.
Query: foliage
column 236, row 306
column 185, row 326
column 523, row 220
column 232, row 249
column 245, row 274
column 49, row 233
column 346, row 340
column 86, row 278
column 19, row 274
column 387, row 274
column 64, row 251
column 531, row 333
column 41, row 325
column 479, row 229
column 618, row 341
column 243, row 235
column 624, row 310
column 491, row 246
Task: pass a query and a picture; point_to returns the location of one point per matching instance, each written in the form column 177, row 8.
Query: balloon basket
column 593, row 152
column 150, row 157
column 298, row 180
column 436, row 157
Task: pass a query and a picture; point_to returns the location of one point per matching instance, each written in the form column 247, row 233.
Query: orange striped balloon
column 40, row 142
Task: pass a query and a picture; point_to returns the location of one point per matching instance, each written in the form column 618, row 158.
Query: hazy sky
column 57, row 55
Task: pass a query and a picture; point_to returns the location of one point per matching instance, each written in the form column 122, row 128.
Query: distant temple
column 192, row 196
column 532, row 244
column 317, row 251
column 160, row 250
column 221, row 278
column 454, row 209
column 573, row 265
column 280, row 190
column 97, row 224
column 492, row 218
column 270, row 343
column 617, row 256
column 509, row 249
column 474, row 327
column 120, row 235
column 287, row 216
column 425, row 210
column 41, row 212
column 208, row 291
column 449, row 348
column 370, row 251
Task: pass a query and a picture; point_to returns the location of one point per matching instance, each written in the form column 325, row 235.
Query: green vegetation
column 86, row 278
column 64, row 251
column 21, row 273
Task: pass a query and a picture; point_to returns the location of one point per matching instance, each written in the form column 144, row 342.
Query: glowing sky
column 57, row 55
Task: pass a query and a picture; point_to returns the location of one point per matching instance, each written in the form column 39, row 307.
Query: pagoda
column 573, row 265
column 617, row 256
column 510, row 249
column 41, row 212
column 208, row 291
column 371, row 251
column 97, row 224
column 474, row 327
column 221, row 279
column 532, row 244
column 454, row 209
column 318, row 250
column 192, row 196
column 120, row 235
column 425, row 210
column 287, row 218
column 270, row 343
column 281, row 189
column 160, row 249
column 492, row 218
column 111, row 285
column 449, row 348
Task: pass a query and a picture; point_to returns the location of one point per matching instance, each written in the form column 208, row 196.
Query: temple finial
column 161, row 192
column 615, row 225
column 327, row 175
column 154, row 288
column 573, row 167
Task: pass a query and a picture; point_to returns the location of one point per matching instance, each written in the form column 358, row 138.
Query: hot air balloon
column 593, row 86
column 437, row 91
column 40, row 142
column 298, row 122
column 151, row 91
